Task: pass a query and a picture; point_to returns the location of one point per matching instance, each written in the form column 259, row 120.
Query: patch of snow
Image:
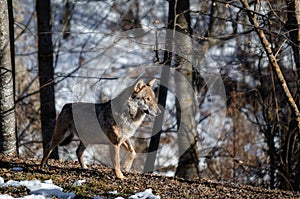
column 98, row 197
column 1, row 181
column 37, row 189
column 79, row 183
column 5, row 196
column 17, row 169
column 46, row 189
column 147, row 194
column 113, row 192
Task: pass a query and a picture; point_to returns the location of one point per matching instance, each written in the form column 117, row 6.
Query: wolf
column 113, row 122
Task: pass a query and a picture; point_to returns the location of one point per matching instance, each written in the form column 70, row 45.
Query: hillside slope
column 100, row 181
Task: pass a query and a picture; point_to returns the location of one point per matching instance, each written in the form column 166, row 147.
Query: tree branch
column 272, row 59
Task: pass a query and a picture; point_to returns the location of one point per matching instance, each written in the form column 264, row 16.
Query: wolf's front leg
column 115, row 157
column 128, row 162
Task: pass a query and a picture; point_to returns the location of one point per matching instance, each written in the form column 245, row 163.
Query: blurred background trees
column 259, row 142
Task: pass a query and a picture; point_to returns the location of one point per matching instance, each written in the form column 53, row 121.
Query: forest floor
column 100, row 181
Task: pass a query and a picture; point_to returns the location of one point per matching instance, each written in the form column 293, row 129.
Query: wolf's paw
column 44, row 167
column 119, row 174
column 126, row 168
column 84, row 167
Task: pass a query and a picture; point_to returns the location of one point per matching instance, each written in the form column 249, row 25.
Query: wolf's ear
column 139, row 85
column 152, row 82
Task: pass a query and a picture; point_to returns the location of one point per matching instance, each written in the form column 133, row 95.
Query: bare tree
column 273, row 60
column 7, row 105
column 288, row 144
column 186, row 110
column 46, row 71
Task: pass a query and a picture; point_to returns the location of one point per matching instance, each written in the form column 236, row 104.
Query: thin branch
column 272, row 59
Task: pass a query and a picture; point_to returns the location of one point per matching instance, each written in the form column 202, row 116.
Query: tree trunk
column 7, row 105
column 158, row 122
column 292, row 25
column 185, row 106
column 46, row 71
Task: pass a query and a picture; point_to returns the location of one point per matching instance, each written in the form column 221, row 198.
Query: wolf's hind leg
column 79, row 153
column 128, row 162
column 47, row 151
column 57, row 138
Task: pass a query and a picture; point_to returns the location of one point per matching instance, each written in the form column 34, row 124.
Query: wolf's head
column 145, row 97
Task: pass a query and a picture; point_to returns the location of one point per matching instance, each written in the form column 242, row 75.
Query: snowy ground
column 46, row 189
